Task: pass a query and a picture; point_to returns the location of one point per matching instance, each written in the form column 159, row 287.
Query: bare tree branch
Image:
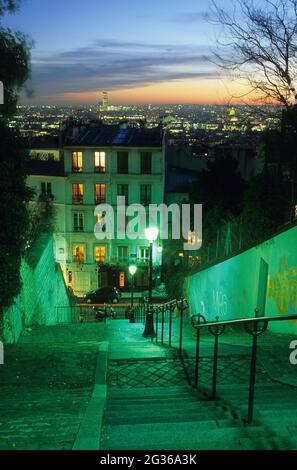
column 260, row 44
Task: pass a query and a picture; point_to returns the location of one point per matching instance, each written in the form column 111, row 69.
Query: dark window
column 46, row 189
column 78, row 222
column 146, row 163
column 123, row 190
column 122, row 253
column 123, row 162
column 145, row 194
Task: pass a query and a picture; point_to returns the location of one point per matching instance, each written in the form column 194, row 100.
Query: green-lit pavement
column 150, row 404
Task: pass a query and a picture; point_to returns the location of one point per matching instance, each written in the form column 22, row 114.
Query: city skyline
column 160, row 54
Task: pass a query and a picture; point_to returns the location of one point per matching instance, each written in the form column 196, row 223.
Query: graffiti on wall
column 282, row 288
column 220, row 303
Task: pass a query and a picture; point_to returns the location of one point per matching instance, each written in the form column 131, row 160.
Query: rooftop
column 45, row 168
column 114, row 135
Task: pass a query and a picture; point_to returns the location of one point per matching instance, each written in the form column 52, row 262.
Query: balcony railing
column 100, row 169
column 79, row 258
column 100, row 200
column 77, row 199
column 78, row 229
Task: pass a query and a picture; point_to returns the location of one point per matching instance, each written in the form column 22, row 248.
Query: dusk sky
column 140, row 53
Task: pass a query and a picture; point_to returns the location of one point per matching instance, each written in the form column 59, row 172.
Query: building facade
column 100, row 164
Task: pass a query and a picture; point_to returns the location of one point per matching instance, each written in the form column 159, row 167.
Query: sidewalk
column 45, row 386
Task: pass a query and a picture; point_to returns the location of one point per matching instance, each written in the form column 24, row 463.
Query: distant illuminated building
column 104, row 101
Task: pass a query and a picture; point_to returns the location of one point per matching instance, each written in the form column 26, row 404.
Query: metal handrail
column 167, row 307
column 245, row 320
column 217, row 328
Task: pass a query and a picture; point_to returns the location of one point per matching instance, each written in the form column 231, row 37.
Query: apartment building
column 99, row 164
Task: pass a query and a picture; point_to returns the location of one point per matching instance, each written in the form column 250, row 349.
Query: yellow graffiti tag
column 283, row 288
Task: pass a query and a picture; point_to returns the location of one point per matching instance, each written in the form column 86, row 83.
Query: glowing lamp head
column 132, row 270
column 151, row 234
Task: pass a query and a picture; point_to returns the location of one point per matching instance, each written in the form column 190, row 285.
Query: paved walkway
column 48, row 378
column 45, row 386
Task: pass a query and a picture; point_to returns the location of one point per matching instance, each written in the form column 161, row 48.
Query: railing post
column 215, row 365
column 163, row 320
column 181, row 326
column 170, row 325
column 149, row 331
column 252, row 379
column 157, row 323
column 254, row 331
column 197, row 357
column 216, row 332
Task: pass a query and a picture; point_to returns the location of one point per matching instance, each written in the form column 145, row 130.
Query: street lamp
column 132, row 271
column 151, row 234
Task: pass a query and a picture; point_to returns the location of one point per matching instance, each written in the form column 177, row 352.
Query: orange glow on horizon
column 203, row 91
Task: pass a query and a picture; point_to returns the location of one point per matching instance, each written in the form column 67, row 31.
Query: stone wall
column 234, row 288
column 43, row 291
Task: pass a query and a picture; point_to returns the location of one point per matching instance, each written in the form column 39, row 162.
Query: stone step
column 222, row 444
column 182, row 417
column 135, row 402
column 168, row 406
column 148, row 391
column 162, row 394
column 191, row 434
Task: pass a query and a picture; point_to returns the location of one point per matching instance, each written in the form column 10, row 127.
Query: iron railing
column 254, row 327
column 164, row 317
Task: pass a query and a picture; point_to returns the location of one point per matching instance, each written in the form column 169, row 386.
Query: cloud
column 115, row 65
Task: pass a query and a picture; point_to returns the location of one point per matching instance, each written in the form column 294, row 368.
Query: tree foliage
column 14, row 61
column 220, row 191
column 14, row 70
column 260, row 45
column 13, row 210
column 266, row 206
column 8, row 6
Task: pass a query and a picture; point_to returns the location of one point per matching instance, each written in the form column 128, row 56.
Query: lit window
column 77, row 193
column 193, row 238
column 100, row 193
column 296, row 211
column 100, row 221
column 79, row 253
column 77, row 162
column 100, row 254
column 100, row 162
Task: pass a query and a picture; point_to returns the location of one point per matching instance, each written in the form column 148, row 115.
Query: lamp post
column 132, row 271
column 151, row 234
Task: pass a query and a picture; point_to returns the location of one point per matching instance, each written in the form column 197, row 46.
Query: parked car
column 108, row 295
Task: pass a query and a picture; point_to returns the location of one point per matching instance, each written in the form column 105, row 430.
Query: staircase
column 177, row 418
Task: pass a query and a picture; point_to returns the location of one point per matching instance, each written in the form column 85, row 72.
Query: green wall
column 230, row 289
column 43, row 291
